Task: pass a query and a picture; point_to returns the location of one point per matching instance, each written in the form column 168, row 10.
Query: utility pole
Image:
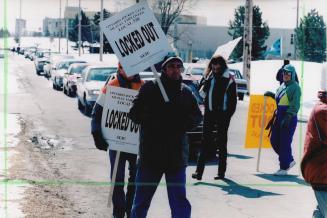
column 60, row 24
column 247, row 41
column 79, row 27
column 67, row 29
column 297, row 25
column 101, row 32
column 20, row 9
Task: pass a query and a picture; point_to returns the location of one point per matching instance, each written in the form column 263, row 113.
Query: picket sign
column 162, row 89
column 262, row 130
column 113, row 180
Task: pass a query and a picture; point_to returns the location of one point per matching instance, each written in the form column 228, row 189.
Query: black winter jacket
column 163, row 141
column 224, row 96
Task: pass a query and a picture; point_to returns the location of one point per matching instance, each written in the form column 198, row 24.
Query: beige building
column 201, row 41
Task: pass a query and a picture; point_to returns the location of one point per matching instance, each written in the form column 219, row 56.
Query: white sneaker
column 280, row 172
column 291, row 165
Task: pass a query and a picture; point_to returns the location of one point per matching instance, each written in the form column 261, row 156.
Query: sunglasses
column 176, row 66
column 287, row 72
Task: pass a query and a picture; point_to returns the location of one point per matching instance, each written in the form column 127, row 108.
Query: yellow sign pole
column 261, row 131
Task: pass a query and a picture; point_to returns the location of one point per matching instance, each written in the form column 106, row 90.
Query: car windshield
column 236, row 73
column 100, row 74
column 77, row 69
column 65, row 65
column 197, row 71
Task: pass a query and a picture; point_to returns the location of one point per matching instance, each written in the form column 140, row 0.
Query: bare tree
column 168, row 11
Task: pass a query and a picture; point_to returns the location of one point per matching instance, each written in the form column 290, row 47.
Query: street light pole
column 60, row 24
column 297, row 25
column 67, row 30
column 101, row 32
column 247, row 41
column 79, row 27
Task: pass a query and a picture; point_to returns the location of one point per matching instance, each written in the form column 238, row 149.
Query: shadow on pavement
column 213, row 160
column 287, row 178
column 243, row 157
column 233, row 188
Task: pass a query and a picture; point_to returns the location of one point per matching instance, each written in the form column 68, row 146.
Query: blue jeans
column 123, row 203
column 147, row 181
column 321, row 210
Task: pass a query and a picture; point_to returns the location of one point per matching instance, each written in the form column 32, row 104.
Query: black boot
column 220, row 176
column 197, row 176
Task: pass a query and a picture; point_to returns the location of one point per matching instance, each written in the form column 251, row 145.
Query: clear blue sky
column 278, row 13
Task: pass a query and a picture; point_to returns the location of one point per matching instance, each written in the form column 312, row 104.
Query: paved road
column 57, row 135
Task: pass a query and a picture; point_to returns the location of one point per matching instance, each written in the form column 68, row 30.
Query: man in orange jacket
column 121, row 203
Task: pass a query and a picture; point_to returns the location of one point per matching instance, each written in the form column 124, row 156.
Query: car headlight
column 94, row 92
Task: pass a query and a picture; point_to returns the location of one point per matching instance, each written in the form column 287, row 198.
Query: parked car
column 54, row 59
column 58, row 73
column 241, row 83
column 70, row 78
column 196, row 70
column 88, row 86
column 39, row 65
column 30, row 52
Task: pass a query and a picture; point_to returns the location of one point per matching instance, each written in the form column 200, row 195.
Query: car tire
column 68, row 92
column 87, row 110
column 54, row 86
column 241, row 96
column 79, row 104
column 64, row 90
column 38, row 72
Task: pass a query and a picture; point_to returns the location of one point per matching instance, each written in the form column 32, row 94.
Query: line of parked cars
column 80, row 78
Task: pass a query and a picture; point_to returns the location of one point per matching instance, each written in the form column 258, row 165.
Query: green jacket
column 288, row 97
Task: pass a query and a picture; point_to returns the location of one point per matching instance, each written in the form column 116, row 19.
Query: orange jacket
column 115, row 82
column 314, row 169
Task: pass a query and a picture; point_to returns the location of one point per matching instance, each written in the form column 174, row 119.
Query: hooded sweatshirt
column 288, row 95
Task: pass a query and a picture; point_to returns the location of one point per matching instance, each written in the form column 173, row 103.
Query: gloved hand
column 286, row 121
column 99, row 141
column 269, row 94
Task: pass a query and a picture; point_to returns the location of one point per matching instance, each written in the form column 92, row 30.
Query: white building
column 20, row 27
column 53, row 27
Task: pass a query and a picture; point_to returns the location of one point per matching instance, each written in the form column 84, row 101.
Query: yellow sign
column 254, row 125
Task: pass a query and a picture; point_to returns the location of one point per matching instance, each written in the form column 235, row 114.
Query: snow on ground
column 263, row 78
column 11, row 194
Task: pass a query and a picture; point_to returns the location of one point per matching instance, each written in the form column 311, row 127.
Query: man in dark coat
column 163, row 141
column 219, row 89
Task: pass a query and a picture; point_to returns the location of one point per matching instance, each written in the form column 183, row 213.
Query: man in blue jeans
column 163, row 142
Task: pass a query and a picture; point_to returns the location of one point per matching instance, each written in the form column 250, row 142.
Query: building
column 20, row 27
column 201, row 41
column 70, row 14
column 53, row 27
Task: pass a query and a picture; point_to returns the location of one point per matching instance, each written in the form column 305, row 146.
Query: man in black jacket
column 163, row 141
column 219, row 89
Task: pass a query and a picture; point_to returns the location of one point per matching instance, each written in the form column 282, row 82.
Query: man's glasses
column 175, row 66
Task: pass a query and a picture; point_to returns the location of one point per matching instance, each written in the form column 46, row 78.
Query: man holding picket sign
column 165, row 109
column 121, row 203
column 163, row 141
